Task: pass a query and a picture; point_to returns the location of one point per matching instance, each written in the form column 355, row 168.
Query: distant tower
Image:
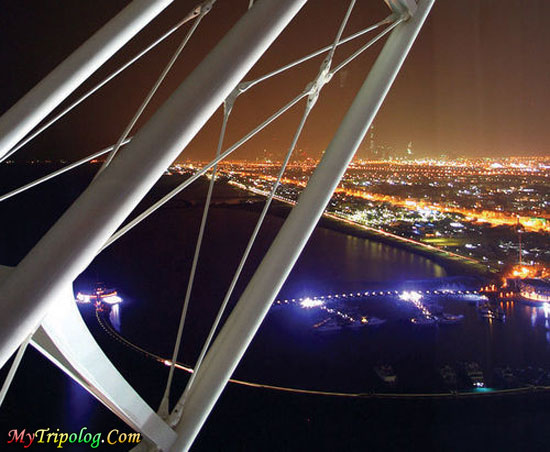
column 372, row 149
column 409, row 149
column 520, row 230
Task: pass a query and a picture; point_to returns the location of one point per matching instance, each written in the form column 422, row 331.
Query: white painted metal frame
column 39, row 284
column 38, row 291
column 71, row 244
column 32, row 108
column 72, row 340
column 248, row 314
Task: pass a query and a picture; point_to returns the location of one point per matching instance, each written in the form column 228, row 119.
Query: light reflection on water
column 114, row 316
column 286, row 349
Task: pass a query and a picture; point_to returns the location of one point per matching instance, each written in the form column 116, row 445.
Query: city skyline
column 474, row 85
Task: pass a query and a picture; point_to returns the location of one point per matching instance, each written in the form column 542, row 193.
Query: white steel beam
column 65, row 340
column 70, row 345
column 32, row 108
column 244, row 321
column 37, row 283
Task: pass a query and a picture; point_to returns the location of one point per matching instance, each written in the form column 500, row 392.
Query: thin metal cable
column 251, row 83
column 248, row 85
column 110, row 77
column 313, row 91
column 60, row 171
column 199, row 173
column 174, row 417
column 162, row 77
column 340, row 31
column 109, row 149
column 367, row 45
column 164, row 406
column 452, row 394
column 13, row 369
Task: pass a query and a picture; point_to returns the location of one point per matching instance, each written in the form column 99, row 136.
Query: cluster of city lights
column 311, row 303
column 446, row 207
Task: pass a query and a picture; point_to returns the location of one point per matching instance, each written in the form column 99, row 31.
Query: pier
column 409, row 296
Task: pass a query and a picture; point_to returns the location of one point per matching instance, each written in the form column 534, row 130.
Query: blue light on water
column 483, row 389
column 114, row 317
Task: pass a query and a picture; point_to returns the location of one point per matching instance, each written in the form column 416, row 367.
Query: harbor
column 350, row 316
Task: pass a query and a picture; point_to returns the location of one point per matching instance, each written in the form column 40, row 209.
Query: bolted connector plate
column 402, row 7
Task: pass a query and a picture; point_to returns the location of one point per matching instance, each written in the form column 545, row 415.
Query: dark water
column 150, row 266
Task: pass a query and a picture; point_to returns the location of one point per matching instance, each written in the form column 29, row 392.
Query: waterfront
column 469, row 209
column 149, row 267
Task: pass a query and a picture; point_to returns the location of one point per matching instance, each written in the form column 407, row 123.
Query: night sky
column 475, row 83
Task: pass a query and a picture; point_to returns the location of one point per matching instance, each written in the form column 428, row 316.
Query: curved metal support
column 38, row 290
column 33, row 288
column 65, row 339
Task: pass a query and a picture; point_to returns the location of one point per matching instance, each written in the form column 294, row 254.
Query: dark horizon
column 474, row 83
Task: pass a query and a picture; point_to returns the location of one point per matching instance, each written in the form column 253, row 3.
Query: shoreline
column 453, row 264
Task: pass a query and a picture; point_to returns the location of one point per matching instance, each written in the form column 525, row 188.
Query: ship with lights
column 100, row 296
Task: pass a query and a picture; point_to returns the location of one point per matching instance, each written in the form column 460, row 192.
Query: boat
column 484, row 308
column 372, row 321
column 422, row 321
column 491, row 312
column 474, row 374
column 449, row 375
column 535, row 291
column 450, row 319
column 535, row 376
column 100, row 296
column 494, row 315
column 544, row 378
column 386, row 373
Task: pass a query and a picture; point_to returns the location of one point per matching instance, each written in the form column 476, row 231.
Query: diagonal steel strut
column 244, row 321
column 74, row 70
column 34, row 287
